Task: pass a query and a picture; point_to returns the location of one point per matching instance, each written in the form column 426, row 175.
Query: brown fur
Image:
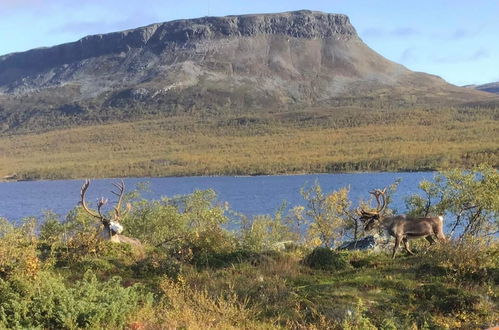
column 404, row 228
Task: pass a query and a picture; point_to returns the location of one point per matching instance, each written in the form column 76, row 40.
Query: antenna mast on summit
column 208, row 7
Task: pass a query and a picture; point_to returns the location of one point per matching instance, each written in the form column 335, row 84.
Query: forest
column 346, row 138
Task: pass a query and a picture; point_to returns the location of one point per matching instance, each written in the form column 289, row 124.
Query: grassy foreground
column 447, row 287
column 268, row 273
column 338, row 139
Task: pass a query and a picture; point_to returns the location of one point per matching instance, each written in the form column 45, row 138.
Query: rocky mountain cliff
column 233, row 63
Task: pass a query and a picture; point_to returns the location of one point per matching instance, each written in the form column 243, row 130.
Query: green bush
column 209, row 243
column 368, row 259
column 465, row 260
column 157, row 263
column 440, row 298
column 266, row 232
column 470, row 197
column 18, row 254
column 189, row 228
column 50, row 303
column 155, row 222
column 326, row 259
column 52, row 229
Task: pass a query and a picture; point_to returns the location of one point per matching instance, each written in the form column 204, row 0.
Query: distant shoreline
column 217, row 176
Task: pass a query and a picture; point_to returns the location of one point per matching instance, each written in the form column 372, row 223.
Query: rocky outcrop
column 365, row 243
column 233, row 63
column 159, row 37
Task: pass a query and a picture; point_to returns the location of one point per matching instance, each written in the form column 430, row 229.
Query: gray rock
column 160, row 37
column 365, row 243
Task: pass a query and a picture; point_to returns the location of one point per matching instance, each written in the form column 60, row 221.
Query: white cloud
column 477, row 55
column 409, row 55
column 97, row 27
column 397, row 32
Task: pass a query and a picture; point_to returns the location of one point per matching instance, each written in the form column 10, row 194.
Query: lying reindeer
column 402, row 227
column 112, row 227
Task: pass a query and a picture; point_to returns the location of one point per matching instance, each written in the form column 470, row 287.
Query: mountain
column 490, row 87
column 264, row 62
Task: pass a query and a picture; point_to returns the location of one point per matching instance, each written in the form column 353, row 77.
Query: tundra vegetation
column 202, row 266
column 351, row 137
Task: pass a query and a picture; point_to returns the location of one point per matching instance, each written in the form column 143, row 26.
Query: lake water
column 248, row 195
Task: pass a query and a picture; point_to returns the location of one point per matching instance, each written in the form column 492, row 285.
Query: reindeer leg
column 441, row 237
column 396, row 246
column 430, row 239
column 406, row 245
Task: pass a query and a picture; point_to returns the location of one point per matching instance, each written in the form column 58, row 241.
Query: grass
column 339, row 139
column 284, row 293
column 280, row 292
column 191, row 273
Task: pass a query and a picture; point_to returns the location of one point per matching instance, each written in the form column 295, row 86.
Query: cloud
column 404, row 32
column 478, row 55
column 16, row 7
column 13, row 4
column 96, row 27
column 397, row 32
column 462, row 34
column 409, row 55
column 373, row 32
column 470, row 57
column 407, row 31
column 457, row 34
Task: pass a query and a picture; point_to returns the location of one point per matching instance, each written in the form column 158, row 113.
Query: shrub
column 326, row 259
column 470, row 196
column 155, row 222
column 263, row 233
column 467, row 260
column 191, row 308
column 50, row 303
column 18, row 254
column 209, row 243
column 356, row 318
column 52, row 229
column 440, row 298
column 225, row 259
column 326, row 216
column 368, row 259
column 157, row 263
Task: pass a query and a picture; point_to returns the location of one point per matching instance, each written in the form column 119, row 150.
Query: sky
column 456, row 40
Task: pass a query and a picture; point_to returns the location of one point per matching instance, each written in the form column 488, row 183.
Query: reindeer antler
column 112, row 226
column 117, row 209
column 380, row 200
column 100, row 203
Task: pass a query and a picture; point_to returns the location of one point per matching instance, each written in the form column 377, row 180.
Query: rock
column 365, row 243
column 175, row 34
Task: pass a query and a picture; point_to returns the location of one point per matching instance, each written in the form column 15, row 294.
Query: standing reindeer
column 112, row 227
column 402, row 227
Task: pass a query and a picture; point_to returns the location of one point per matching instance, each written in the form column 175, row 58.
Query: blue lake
column 248, row 195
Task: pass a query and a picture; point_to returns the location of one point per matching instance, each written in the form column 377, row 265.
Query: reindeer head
column 112, row 224
column 370, row 218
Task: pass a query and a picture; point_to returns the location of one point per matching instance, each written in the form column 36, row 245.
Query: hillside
column 490, row 87
column 267, row 62
column 276, row 77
